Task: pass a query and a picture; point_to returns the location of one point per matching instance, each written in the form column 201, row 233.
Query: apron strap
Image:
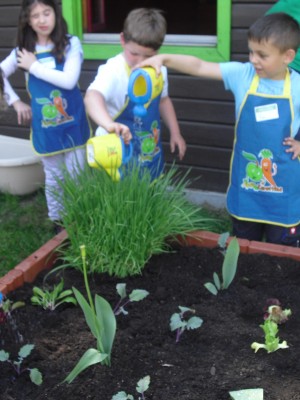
column 286, row 88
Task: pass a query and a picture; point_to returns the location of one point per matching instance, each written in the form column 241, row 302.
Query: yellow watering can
column 109, row 152
column 144, row 86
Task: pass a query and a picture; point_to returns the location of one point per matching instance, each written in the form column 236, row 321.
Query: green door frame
column 72, row 12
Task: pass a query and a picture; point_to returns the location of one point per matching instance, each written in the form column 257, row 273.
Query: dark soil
column 207, row 362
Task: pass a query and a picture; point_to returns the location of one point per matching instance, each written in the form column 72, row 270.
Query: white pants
column 73, row 161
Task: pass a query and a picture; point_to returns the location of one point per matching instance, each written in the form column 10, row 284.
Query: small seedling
column 271, row 344
column 51, row 299
column 34, row 373
column 142, row 386
column 228, row 268
column 7, row 306
column 179, row 324
column 135, row 295
column 275, row 313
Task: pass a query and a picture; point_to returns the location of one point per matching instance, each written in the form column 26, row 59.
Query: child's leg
column 281, row 235
column 53, row 170
column 247, row 230
column 75, row 161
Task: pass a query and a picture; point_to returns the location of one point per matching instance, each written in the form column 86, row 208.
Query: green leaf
column 217, row 280
column 88, row 312
column 176, row 322
column 143, row 384
column 121, row 289
column 35, row 376
column 38, row 292
column 4, row 356
column 25, row 350
column 223, row 239
column 185, row 309
column 67, row 300
column 122, row 396
column 90, row 357
column 194, row 323
column 247, row 394
column 138, row 294
column 249, row 156
column 43, row 100
column 107, row 320
column 230, row 262
column 211, row 287
column 17, row 304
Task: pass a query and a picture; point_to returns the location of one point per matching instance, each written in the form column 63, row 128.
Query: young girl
column 52, row 62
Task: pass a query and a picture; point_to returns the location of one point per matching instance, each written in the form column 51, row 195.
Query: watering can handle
column 127, row 151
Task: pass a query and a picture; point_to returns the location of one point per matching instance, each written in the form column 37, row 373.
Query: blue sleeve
column 237, row 78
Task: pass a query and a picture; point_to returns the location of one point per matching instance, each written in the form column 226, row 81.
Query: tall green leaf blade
column 88, row 312
column 230, row 262
column 107, row 321
column 90, row 357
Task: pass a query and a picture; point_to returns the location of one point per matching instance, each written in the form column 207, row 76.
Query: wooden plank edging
column 45, row 256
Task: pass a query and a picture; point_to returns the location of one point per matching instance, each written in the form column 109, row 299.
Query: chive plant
column 123, row 224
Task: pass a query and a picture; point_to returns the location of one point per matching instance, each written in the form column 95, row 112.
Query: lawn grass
column 24, row 226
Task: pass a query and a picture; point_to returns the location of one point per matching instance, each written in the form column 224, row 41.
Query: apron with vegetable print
column 264, row 180
column 59, row 120
column 147, row 147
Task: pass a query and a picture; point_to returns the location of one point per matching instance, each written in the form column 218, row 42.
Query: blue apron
column 264, row 180
column 146, row 140
column 59, row 121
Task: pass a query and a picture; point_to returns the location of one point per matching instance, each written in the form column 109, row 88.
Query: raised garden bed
column 207, row 363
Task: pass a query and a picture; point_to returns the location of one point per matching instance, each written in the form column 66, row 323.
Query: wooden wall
column 204, row 109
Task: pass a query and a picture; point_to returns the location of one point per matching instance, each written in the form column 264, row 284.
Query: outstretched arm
column 186, row 64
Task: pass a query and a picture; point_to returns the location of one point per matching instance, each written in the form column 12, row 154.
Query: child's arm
column 168, row 115
column 97, row 110
column 294, row 147
column 23, row 110
column 65, row 79
column 186, row 64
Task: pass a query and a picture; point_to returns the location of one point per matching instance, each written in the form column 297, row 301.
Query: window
column 201, row 28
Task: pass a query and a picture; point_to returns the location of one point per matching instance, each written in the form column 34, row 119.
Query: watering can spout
column 110, row 153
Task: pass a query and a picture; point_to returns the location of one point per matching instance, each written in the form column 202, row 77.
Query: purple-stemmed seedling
column 179, row 324
column 135, row 295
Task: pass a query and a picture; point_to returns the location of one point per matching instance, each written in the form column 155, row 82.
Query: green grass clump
column 123, row 224
column 24, row 227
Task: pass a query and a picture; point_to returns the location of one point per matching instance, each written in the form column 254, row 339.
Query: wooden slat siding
column 204, row 109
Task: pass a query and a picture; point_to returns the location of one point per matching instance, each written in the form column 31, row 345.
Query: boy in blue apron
column 108, row 104
column 263, row 196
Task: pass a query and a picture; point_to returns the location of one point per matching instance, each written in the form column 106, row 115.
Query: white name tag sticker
column 48, row 62
column 266, row 113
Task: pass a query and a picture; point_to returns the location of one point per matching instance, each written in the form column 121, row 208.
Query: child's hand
column 121, row 130
column 155, row 62
column 25, row 59
column 294, row 147
column 178, row 141
column 23, row 111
